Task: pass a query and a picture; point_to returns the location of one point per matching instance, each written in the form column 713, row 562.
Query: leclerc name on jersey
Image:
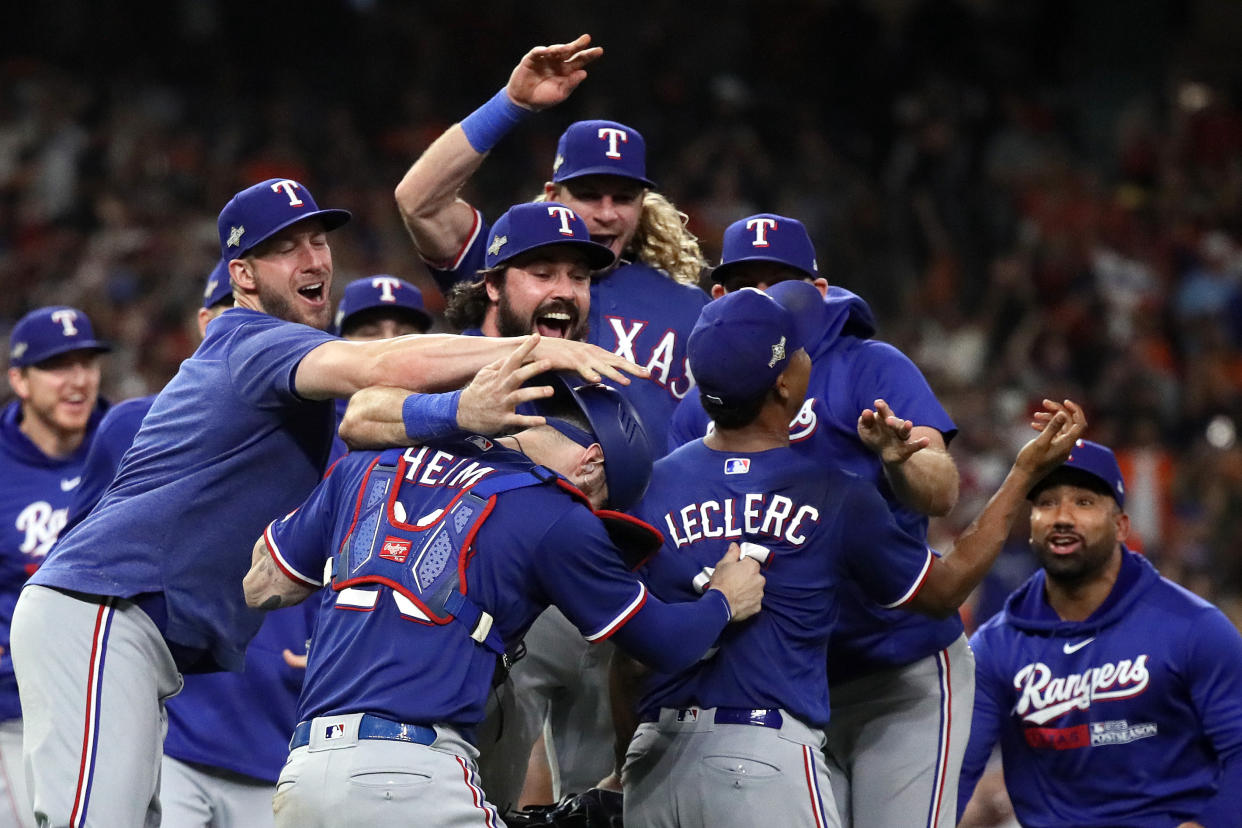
column 753, row 514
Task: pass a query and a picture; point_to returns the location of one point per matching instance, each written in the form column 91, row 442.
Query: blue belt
column 759, row 717
column 373, row 727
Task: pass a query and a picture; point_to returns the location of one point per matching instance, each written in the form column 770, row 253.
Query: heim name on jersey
column 752, row 514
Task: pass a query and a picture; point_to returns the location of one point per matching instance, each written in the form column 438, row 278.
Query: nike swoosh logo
column 67, row 485
column 1070, row 649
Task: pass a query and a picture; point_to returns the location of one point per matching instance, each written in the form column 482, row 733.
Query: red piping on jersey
column 362, row 491
column 300, row 580
column 609, row 514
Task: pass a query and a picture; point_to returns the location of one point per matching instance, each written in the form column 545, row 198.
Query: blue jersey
column 35, row 492
column 227, row 445
column 637, row 312
column 822, row 527
column 375, row 651
column 202, row 718
column 849, row 372
column 1132, row 717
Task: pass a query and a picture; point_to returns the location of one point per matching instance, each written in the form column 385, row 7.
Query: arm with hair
column 266, row 587
column 916, row 461
column 951, row 579
column 440, row 222
column 440, row 362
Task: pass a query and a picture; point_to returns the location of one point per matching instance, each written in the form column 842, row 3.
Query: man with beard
column 45, row 435
column 147, row 586
column 531, row 282
column 1116, row 695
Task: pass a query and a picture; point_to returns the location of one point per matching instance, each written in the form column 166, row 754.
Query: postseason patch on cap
column 737, row 465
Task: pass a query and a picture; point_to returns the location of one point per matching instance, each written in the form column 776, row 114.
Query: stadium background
column 1038, row 198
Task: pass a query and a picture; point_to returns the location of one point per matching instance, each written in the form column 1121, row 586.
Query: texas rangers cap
column 529, row 226
column 615, row 425
column 1088, row 463
column 740, row 344
column 263, row 210
column 51, row 331
column 218, row 287
column 601, row 148
column 767, row 237
column 381, row 291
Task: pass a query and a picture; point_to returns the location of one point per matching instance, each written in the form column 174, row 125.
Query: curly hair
column 663, row 241
column 467, row 302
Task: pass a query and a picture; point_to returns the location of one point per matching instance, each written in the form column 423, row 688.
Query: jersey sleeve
column 985, row 721
column 470, row 259
column 889, row 564
column 602, row 599
column 883, row 372
column 689, row 422
column 1214, row 679
column 302, row 540
column 264, row 357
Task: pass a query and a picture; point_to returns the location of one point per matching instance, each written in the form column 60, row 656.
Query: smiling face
column 1075, row 531
column 289, row 275
column 546, row 291
column 610, row 205
column 57, row 395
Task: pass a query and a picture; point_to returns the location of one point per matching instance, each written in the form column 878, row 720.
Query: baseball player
column 376, row 307
column 533, row 282
column 641, row 309
column 208, row 779
column 1115, row 694
column 901, row 683
column 752, row 715
column 146, row 586
column 440, row 557
column 44, row 437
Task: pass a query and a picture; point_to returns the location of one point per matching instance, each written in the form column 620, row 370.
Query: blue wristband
column 430, row 416
column 492, row 121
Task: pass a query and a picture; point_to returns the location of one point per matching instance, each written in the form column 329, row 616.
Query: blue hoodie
column 1132, row 717
column 35, row 493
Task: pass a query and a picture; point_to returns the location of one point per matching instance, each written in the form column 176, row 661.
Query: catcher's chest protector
column 423, row 557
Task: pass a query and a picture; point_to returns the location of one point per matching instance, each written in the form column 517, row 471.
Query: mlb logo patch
column 688, row 714
column 334, row 731
column 737, row 465
column 481, row 443
column 395, row 549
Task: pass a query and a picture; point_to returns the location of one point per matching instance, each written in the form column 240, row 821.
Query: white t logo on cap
column 386, row 285
column 565, row 214
column 612, row 135
column 761, row 226
column 289, row 187
column 65, row 318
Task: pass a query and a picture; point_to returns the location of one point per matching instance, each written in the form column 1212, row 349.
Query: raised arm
column 952, row 578
column 441, row 362
column 916, row 461
column 438, row 220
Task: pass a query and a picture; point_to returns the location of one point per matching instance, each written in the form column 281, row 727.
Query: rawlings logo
column 42, row 525
column 1042, row 697
column 395, row 549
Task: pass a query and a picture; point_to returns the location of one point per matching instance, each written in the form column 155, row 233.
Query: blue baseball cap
column 381, row 291
column 601, row 148
column 1094, row 460
column 537, row 224
column 261, row 211
column 51, row 331
column 615, row 425
column 218, row 287
column 767, row 237
column 740, row 344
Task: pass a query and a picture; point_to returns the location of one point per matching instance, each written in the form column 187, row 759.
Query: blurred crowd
column 1032, row 206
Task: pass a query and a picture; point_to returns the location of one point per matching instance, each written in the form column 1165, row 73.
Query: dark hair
column 733, row 415
column 467, row 302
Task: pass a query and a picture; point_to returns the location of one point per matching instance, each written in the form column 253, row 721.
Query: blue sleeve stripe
column 916, row 586
column 282, row 564
column 625, row 615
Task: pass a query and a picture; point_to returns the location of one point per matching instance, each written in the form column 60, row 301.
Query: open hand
column 888, row 435
column 591, row 362
column 1060, row 426
column 547, row 75
column 488, row 405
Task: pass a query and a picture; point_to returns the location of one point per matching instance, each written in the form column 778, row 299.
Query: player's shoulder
column 639, row 272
